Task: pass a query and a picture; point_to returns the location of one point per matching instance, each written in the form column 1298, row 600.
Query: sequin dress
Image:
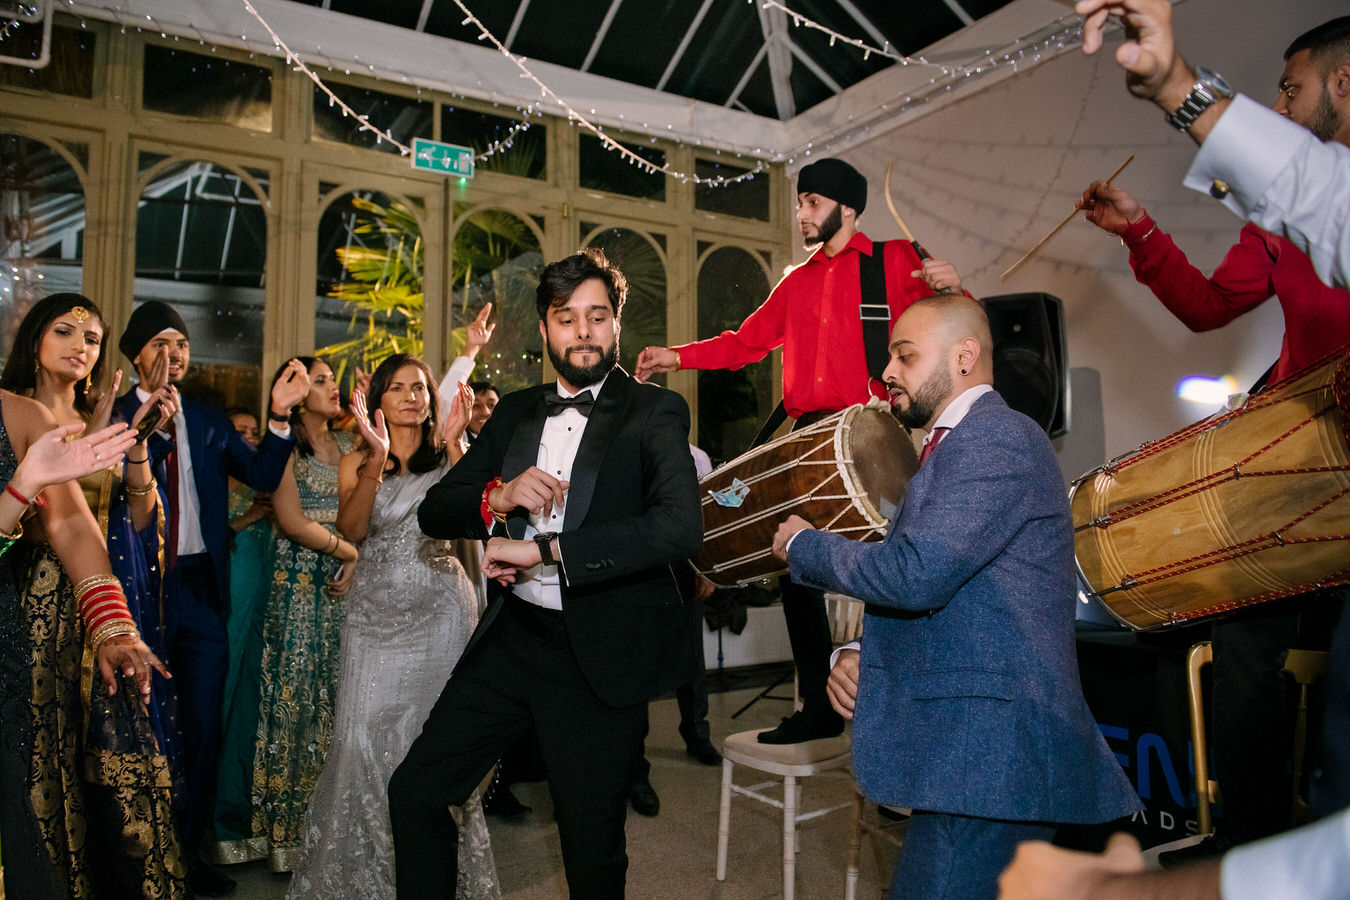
column 409, row 614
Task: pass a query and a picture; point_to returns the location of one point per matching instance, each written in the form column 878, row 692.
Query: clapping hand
column 103, row 408
column 290, row 388
column 52, row 458
column 457, row 416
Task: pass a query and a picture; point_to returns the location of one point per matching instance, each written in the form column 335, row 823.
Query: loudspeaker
column 1031, row 360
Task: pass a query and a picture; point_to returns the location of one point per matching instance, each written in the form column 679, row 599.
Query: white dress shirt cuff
column 851, row 645
column 1247, row 150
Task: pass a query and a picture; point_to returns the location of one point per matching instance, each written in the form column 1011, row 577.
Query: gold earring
column 88, row 383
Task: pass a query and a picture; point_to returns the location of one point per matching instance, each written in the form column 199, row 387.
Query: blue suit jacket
column 968, row 696
column 217, row 452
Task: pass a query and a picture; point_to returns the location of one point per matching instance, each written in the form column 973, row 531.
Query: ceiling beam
column 735, row 97
column 515, row 23
column 600, row 34
column 424, row 15
column 960, row 13
column 864, row 22
column 684, row 44
column 815, row 68
column 773, row 25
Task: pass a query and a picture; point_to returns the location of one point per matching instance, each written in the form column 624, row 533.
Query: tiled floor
column 674, row 856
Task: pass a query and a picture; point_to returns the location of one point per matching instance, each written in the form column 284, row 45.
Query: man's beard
column 584, row 376
column 1325, row 121
column 924, row 403
column 829, row 228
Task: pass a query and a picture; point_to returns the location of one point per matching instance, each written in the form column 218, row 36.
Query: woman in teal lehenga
column 250, row 579
column 301, row 623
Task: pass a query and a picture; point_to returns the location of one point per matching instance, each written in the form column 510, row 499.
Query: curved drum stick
column 1067, row 219
column 909, row 236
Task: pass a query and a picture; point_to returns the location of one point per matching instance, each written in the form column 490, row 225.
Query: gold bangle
column 94, row 581
column 17, row 533
column 113, row 629
column 142, row 491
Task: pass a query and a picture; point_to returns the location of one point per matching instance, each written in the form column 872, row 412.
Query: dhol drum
column 846, row 473
column 1246, row 506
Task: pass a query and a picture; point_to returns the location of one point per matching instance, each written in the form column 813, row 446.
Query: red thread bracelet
column 36, row 501
column 488, row 513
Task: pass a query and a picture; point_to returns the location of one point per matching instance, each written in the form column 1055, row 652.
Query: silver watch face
column 1215, row 82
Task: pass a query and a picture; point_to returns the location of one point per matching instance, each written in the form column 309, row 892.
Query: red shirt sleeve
column 1241, row 282
column 759, row 335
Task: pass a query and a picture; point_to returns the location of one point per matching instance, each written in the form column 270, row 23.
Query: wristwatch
column 1209, row 88
column 542, row 540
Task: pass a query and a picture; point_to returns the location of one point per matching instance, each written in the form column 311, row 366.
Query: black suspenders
column 874, row 310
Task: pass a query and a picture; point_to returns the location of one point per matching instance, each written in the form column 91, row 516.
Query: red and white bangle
column 103, row 607
column 489, row 514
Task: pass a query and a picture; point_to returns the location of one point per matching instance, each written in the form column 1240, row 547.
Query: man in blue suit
column 193, row 456
column 965, row 695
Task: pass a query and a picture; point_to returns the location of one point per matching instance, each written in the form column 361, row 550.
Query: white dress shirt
column 189, row 506
column 558, row 445
column 1281, row 177
column 1308, row 863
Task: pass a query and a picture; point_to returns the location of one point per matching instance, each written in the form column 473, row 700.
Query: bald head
column 940, row 347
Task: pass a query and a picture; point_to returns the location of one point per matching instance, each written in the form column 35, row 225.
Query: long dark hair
column 430, row 454
column 304, row 444
column 20, row 375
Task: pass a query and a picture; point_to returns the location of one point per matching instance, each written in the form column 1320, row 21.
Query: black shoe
column 1211, row 846
column 799, row 727
column 644, row 799
column 703, row 751
column 503, row 804
column 208, row 881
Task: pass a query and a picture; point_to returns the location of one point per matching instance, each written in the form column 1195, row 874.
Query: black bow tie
column 582, row 403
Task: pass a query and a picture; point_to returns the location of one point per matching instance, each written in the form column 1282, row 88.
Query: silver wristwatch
column 1209, row 89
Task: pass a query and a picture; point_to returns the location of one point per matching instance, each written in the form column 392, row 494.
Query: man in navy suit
column 965, row 695
column 193, row 455
column 589, row 490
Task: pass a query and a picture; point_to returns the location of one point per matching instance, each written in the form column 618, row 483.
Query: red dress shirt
column 1258, row 266
column 813, row 315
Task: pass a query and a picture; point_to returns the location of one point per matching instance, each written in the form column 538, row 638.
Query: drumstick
column 918, row 248
column 1067, row 219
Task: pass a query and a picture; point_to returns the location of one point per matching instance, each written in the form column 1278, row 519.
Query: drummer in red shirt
column 814, row 315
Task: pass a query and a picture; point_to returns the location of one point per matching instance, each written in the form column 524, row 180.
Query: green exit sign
column 448, row 159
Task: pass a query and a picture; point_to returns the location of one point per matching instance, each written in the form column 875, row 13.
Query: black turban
column 835, row 179
column 149, row 319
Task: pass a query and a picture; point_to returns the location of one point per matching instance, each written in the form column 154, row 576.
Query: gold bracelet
column 18, row 532
column 94, row 581
column 145, row 490
column 333, row 541
column 113, row 629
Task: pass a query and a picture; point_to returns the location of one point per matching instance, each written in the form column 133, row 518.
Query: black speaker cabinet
column 1031, row 361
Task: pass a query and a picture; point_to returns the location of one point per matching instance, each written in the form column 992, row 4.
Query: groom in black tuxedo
column 588, row 490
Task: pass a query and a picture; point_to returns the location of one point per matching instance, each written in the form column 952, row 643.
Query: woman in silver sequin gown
column 410, row 612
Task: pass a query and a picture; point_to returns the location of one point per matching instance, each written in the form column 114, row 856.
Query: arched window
column 42, row 215
column 731, row 404
column 201, row 247
column 497, row 259
column 644, row 312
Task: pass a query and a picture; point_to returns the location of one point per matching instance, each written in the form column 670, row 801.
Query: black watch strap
column 277, row 417
column 543, row 540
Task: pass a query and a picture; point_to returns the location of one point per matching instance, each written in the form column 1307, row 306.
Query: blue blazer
column 217, row 452
column 968, row 695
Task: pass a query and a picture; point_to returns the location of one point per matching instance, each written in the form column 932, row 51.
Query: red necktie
column 928, row 448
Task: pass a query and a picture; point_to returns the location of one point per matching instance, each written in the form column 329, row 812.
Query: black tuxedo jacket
column 217, row 453
column 632, row 510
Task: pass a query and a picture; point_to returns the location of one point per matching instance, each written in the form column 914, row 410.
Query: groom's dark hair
column 560, row 279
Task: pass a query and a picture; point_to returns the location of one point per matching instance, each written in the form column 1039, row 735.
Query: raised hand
column 158, row 376
column 457, row 416
column 290, row 388
column 165, row 398
column 656, row 360
column 1148, row 55
column 103, row 408
column 128, row 655
column 52, row 458
column 1109, row 208
column 534, row 489
column 375, row 433
column 478, row 332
